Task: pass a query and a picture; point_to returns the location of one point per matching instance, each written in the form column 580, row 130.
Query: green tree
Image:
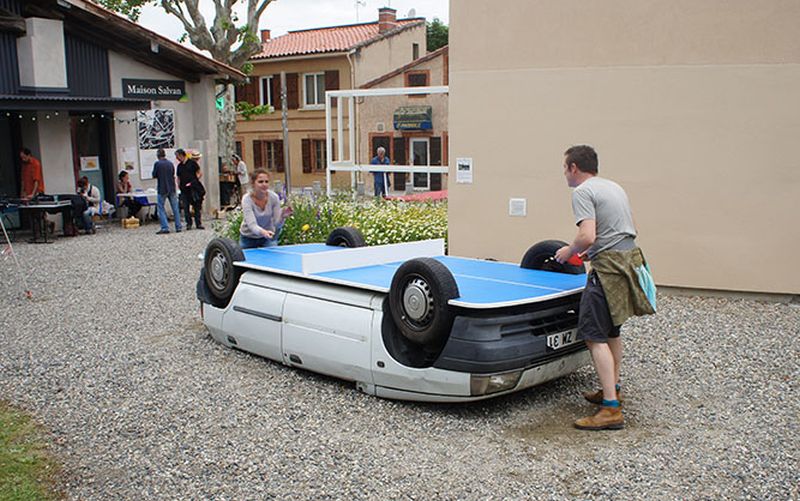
column 228, row 39
column 437, row 34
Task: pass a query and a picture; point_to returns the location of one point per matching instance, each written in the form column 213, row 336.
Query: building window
column 320, row 158
column 266, row 91
column 414, row 51
column 314, row 89
column 268, row 155
column 238, row 148
column 272, row 156
column 418, row 79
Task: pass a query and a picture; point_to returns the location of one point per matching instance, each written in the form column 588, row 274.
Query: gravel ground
column 111, row 357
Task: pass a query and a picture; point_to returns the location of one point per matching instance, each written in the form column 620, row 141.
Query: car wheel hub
column 417, row 300
column 218, row 265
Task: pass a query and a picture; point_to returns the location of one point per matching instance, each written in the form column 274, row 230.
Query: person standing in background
column 192, row 192
column 241, row 174
column 164, row 172
column 32, row 178
column 380, row 179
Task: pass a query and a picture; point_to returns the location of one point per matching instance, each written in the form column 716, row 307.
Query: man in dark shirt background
column 192, row 193
column 164, row 172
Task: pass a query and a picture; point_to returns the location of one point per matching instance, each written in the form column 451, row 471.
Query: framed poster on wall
column 156, row 129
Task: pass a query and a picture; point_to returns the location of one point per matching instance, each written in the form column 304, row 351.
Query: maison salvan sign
column 165, row 90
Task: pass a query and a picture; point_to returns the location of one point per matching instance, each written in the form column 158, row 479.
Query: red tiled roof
column 331, row 39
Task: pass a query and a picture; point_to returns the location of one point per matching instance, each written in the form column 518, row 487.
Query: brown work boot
column 596, row 397
column 607, row 418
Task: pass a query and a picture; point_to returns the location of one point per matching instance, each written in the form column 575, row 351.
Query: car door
column 328, row 337
column 255, row 320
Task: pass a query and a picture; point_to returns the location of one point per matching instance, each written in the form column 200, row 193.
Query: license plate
column 562, row 339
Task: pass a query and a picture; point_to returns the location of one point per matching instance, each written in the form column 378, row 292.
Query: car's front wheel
column 418, row 299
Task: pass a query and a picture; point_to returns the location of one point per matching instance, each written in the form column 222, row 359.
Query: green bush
column 311, row 219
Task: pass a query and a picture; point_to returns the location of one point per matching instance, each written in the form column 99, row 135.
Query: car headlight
column 484, row 385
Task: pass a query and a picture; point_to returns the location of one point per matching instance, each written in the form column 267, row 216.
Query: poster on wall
column 156, row 129
column 147, row 158
column 128, row 160
column 90, row 163
column 464, row 170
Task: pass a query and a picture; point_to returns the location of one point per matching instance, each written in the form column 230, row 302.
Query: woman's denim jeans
column 252, row 243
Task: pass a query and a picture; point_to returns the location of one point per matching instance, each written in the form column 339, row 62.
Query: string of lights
column 48, row 116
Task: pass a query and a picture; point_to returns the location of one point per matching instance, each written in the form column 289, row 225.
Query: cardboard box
column 130, row 222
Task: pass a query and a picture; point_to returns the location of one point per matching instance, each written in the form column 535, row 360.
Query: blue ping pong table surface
column 481, row 284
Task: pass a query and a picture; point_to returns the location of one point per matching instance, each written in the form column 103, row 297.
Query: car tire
column 418, row 297
column 220, row 274
column 346, row 236
column 541, row 256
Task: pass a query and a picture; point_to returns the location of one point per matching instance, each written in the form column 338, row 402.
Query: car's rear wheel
column 221, row 275
column 541, row 256
column 346, row 236
column 418, row 297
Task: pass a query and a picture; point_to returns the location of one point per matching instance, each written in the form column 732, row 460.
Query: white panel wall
column 42, row 60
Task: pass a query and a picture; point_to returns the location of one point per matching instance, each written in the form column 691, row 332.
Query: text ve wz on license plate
column 562, row 339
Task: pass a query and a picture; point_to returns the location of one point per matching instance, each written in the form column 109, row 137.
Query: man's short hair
column 381, row 149
column 180, row 152
column 26, row 151
column 161, row 153
column 584, row 157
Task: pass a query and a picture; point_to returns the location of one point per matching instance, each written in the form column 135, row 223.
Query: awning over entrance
column 413, row 118
column 70, row 103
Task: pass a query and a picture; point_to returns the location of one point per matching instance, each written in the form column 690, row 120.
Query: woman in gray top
column 261, row 210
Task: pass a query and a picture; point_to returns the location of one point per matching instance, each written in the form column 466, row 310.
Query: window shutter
column 332, row 83
column 436, row 159
column 279, row 156
column 276, row 91
column 436, row 150
column 334, row 152
column 292, row 95
column 306, row 155
column 399, row 153
column 248, row 92
column 258, row 155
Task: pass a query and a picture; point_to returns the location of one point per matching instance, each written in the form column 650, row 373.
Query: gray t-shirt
column 606, row 202
column 254, row 219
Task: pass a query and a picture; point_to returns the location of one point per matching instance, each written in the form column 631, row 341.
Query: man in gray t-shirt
column 605, row 223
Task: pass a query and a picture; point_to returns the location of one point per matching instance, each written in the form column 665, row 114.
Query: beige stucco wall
column 692, row 106
column 303, row 123
column 388, row 54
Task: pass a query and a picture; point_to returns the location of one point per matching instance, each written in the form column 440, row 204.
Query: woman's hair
column 257, row 172
column 122, row 175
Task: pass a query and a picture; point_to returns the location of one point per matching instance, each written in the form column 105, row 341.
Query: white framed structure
column 348, row 163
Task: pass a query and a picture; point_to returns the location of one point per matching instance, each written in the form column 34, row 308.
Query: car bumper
column 529, row 377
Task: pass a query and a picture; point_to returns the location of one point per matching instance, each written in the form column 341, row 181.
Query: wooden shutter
column 307, row 156
column 248, row 92
column 399, row 153
column 279, row 156
column 276, row 92
column 436, row 159
column 258, row 155
column 292, row 94
column 332, row 83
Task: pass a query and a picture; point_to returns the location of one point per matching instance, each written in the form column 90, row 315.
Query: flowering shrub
column 311, row 219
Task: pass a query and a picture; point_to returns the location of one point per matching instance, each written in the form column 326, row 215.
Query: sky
column 282, row 16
